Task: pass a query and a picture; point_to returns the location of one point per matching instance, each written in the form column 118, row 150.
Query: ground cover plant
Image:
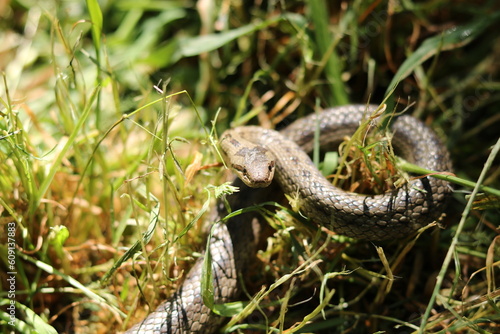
column 109, row 119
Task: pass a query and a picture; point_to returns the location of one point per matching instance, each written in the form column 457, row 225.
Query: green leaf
column 57, row 237
column 411, row 168
column 96, row 18
column 225, row 189
column 32, row 323
column 179, row 48
column 137, row 246
column 56, row 164
column 229, row 309
column 330, row 163
column 200, row 213
column 207, row 277
column 73, row 282
column 453, row 38
column 152, row 32
column 325, row 41
column 196, row 45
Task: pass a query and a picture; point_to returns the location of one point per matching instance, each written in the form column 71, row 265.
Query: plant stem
column 411, row 168
column 461, row 224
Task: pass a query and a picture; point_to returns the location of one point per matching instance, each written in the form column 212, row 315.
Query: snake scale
column 395, row 214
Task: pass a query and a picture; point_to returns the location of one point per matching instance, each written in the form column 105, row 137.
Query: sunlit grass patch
column 96, row 161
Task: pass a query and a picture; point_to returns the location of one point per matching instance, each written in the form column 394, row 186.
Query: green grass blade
column 57, row 162
column 451, row 39
column 319, row 17
column 196, row 45
column 96, row 19
column 411, row 168
column 207, row 277
column 138, row 245
column 33, row 323
column 73, row 282
column 455, row 241
column 205, row 43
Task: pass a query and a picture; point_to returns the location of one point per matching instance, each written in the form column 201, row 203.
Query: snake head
column 252, row 163
column 254, row 166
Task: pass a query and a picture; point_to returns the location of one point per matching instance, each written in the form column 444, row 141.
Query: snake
column 258, row 156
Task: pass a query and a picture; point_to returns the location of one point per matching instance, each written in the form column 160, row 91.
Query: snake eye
column 240, row 168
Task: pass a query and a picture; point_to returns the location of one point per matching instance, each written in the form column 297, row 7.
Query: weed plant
column 109, row 118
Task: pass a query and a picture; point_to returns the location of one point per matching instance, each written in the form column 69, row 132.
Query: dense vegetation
column 109, row 117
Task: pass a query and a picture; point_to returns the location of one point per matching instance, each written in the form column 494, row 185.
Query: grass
column 96, row 161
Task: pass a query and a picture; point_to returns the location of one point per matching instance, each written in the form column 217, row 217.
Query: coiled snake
column 391, row 215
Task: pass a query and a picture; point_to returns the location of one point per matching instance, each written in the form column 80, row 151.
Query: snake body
column 394, row 214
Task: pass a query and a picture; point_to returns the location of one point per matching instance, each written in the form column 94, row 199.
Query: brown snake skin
column 391, row 215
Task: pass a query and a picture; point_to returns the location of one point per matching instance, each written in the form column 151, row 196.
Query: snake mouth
column 256, row 184
column 257, row 177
